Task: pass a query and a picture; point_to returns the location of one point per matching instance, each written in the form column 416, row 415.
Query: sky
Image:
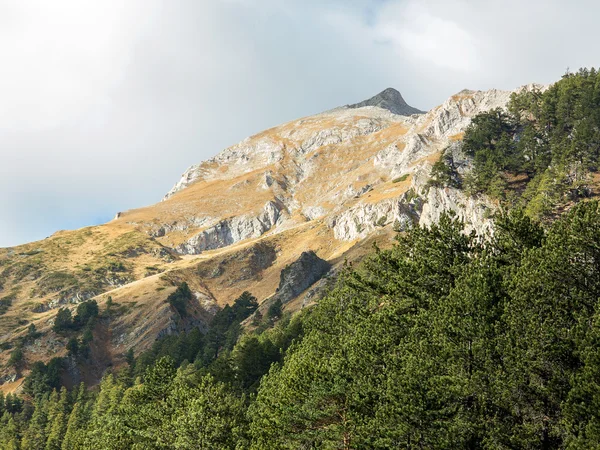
column 105, row 103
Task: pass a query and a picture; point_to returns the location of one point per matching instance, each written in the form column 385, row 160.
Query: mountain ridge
column 333, row 183
column 313, row 284
column 389, row 99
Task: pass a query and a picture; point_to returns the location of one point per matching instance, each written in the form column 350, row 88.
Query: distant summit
column 272, row 215
column 391, row 100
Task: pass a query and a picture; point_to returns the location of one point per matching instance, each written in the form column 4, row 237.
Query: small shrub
column 444, row 173
column 275, row 310
column 16, row 358
column 180, row 298
column 5, row 346
column 31, row 252
column 411, row 195
column 63, row 320
column 73, row 347
column 32, row 332
column 401, row 179
column 5, row 303
column 85, row 311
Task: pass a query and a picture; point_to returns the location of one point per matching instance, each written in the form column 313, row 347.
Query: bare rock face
column 233, row 230
column 474, row 212
column 294, row 139
column 329, row 183
column 362, row 147
column 391, row 100
column 300, row 275
column 361, row 220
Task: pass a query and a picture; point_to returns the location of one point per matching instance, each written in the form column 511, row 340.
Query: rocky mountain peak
column 271, row 215
column 391, row 100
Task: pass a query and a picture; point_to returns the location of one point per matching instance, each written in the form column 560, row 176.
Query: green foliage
column 257, row 319
column 85, row 311
column 381, row 221
column 87, row 336
column 12, row 404
column 129, row 357
column 340, row 375
column 244, row 306
column 204, row 349
column 253, row 355
column 195, row 406
column 73, row 347
column 208, row 416
column 443, row 341
column 171, row 409
column 182, row 347
column 225, row 327
column 63, row 320
column 180, row 298
column 275, row 310
column 443, row 173
column 75, row 432
column 16, row 358
column 6, row 303
column 401, row 178
column 9, row 433
column 32, row 332
column 551, row 140
column 43, row 378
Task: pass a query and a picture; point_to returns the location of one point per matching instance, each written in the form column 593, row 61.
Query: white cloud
column 436, row 40
column 103, row 103
column 60, row 56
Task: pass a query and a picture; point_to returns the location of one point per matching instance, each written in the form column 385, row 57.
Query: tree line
column 538, row 153
column 443, row 341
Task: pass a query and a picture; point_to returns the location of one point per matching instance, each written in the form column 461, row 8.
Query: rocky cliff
column 391, row 100
column 305, row 195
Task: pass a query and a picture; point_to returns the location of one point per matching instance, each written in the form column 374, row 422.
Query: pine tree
column 206, row 416
column 35, row 435
column 57, row 432
column 73, row 347
column 9, row 433
column 63, row 320
column 77, row 423
column 107, row 428
column 555, row 289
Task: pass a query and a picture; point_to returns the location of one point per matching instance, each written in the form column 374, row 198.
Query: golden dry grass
column 8, row 388
column 141, row 303
column 457, row 137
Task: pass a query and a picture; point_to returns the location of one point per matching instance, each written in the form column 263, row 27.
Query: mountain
column 284, row 206
column 391, row 100
column 450, row 260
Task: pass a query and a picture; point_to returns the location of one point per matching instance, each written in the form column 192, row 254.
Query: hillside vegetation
column 446, row 340
column 542, row 152
column 332, row 183
column 441, row 342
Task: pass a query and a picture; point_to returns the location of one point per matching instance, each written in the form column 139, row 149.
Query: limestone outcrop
column 276, row 215
column 357, row 168
column 300, row 275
